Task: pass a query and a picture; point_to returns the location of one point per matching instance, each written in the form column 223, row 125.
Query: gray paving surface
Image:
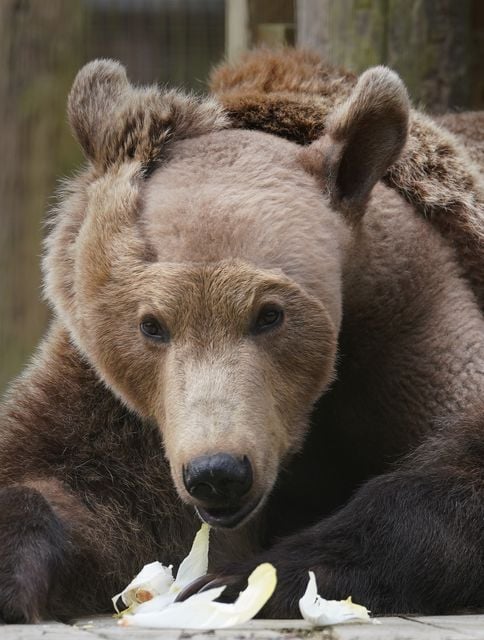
column 470, row 627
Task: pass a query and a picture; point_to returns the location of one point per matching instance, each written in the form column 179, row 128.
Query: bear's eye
column 153, row 329
column 269, row 317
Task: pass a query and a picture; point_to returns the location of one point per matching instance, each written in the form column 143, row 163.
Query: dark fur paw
column 292, row 580
column 282, row 604
column 234, row 585
column 32, row 546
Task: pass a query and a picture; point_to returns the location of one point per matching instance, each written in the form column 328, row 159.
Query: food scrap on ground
column 321, row 612
column 149, row 598
column 200, row 611
column 154, row 587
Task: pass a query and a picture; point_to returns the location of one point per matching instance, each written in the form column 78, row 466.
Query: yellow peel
column 321, row 612
column 153, row 579
column 154, row 587
column 195, row 564
column 201, row 612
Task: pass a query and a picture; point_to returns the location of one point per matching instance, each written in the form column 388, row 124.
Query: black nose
column 219, row 480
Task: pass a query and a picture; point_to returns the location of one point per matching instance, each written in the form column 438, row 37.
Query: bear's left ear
column 115, row 121
column 363, row 137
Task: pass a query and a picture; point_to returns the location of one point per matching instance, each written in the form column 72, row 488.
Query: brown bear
column 258, row 334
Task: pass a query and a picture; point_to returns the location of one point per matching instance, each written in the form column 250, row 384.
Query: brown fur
column 126, row 123
column 179, row 219
column 292, row 95
column 468, row 127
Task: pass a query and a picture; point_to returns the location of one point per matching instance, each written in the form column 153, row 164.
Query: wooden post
column 251, row 23
column 237, row 37
column 43, row 43
column 435, row 45
column 39, row 45
column 346, row 32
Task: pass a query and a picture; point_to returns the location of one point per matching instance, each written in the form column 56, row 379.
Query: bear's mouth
column 228, row 517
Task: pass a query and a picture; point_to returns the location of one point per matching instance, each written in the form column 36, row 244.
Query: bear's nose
column 219, row 480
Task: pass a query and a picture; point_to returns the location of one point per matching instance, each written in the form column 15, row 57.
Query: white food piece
column 321, row 612
column 155, row 588
column 195, row 564
column 201, row 612
column 152, row 580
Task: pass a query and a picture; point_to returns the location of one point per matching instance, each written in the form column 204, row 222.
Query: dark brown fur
column 82, row 455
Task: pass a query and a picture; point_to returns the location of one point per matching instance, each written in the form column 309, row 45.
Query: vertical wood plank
column 437, row 46
column 42, row 45
column 347, row 32
column 35, row 70
column 429, row 43
column 237, row 38
column 252, row 23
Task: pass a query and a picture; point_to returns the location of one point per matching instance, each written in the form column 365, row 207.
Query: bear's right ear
column 363, row 137
column 115, row 121
column 99, row 89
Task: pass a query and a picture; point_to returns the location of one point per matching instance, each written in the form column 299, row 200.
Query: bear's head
column 199, row 269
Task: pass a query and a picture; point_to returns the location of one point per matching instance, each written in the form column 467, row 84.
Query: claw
column 195, row 587
column 234, row 586
column 211, row 581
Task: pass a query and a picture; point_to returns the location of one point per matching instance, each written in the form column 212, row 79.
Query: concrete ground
column 466, row 627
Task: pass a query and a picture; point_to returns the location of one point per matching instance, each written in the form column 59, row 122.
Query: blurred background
column 436, row 45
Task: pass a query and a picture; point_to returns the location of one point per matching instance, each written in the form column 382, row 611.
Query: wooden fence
column 42, row 45
column 436, row 45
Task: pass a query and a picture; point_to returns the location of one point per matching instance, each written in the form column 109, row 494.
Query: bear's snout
column 219, row 484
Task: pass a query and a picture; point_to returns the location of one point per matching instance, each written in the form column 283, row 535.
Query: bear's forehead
column 243, row 196
column 230, row 195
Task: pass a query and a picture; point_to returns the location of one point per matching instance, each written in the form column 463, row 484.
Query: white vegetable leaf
column 152, row 580
column 321, row 612
column 195, row 564
column 155, row 588
column 200, row 611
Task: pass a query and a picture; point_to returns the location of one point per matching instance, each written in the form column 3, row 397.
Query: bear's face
column 207, row 294
column 226, row 358
column 205, row 310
